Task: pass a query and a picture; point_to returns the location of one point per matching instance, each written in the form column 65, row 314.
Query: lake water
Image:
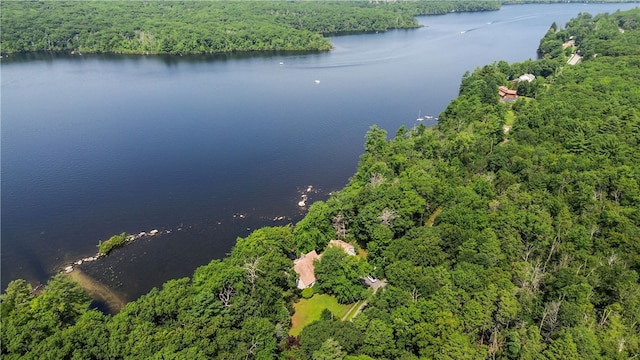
column 213, row 147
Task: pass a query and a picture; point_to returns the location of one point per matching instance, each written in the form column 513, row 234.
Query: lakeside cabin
column 569, row 43
column 348, row 248
column 507, row 94
column 305, row 269
column 525, row 77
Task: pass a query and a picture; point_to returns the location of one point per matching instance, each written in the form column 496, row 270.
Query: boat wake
column 469, row 30
column 504, row 21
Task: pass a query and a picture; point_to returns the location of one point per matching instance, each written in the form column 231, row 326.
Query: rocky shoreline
column 68, row 268
column 113, row 299
column 130, row 238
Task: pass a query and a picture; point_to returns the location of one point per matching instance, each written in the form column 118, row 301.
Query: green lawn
column 309, row 310
column 510, row 118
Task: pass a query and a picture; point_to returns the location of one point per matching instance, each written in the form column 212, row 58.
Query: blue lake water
column 95, row 145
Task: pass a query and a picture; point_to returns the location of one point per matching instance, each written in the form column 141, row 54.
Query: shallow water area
column 165, row 255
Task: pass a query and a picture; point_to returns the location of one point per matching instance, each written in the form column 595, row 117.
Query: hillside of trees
column 512, row 2
column 510, row 230
column 203, row 27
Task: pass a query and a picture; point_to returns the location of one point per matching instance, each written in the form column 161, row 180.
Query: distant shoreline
column 194, row 27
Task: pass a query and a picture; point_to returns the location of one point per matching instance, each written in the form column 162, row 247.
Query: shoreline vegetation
column 107, row 246
column 116, row 241
column 212, row 27
column 533, row 251
column 204, row 27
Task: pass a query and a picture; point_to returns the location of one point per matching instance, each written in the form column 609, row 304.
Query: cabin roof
column 527, row 77
column 503, row 90
column 348, row 248
column 305, row 269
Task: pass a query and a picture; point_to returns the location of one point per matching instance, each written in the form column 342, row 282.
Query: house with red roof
column 507, row 94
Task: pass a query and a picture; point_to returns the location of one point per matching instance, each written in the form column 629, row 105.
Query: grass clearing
column 510, row 118
column 307, row 311
column 432, row 218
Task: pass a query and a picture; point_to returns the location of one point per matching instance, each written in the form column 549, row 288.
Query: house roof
column 568, row 43
column 527, row 77
column 305, row 269
column 503, row 91
column 348, row 248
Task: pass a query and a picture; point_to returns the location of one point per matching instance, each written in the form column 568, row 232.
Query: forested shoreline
column 510, row 230
column 203, row 27
column 208, row 27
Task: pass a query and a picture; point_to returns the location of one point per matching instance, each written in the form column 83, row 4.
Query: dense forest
column 511, row 2
column 207, row 27
column 203, row 27
column 510, row 230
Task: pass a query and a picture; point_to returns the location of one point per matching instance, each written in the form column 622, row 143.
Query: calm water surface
column 96, row 145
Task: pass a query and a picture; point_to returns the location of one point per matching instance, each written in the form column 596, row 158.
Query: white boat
column 420, row 118
column 317, row 81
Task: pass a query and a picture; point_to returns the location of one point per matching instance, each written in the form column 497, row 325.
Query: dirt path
column 375, row 286
column 432, row 218
column 351, row 309
column 364, row 303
